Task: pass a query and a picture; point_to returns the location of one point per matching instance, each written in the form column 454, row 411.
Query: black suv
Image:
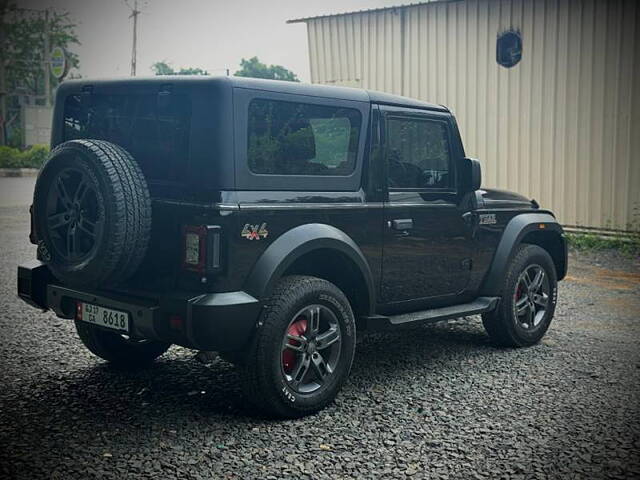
column 271, row 221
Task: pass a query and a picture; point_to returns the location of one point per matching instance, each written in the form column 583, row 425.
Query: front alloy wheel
column 531, row 297
column 528, row 301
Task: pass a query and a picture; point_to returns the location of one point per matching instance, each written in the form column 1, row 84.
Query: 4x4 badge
column 254, row 232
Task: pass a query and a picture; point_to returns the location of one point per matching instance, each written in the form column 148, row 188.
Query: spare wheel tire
column 92, row 213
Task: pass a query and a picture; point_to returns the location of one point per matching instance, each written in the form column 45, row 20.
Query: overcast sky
column 212, row 34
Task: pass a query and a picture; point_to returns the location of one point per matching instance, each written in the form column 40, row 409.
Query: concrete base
column 19, row 172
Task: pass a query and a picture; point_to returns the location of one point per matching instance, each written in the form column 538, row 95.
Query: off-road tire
column 125, row 204
column 264, row 385
column 502, row 325
column 117, row 350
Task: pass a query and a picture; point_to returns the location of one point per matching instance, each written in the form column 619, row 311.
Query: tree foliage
column 164, row 68
column 254, row 68
column 22, row 52
column 23, row 44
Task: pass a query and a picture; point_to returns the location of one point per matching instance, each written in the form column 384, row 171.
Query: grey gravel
column 435, row 401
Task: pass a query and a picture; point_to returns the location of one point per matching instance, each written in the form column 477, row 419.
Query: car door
column 427, row 247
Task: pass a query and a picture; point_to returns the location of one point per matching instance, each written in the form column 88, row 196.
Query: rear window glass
column 154, row 128
column 288, row 138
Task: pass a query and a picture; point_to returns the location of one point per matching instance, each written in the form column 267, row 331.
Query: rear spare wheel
column 92, row 213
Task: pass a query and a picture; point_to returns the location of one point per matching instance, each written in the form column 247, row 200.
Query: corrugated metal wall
column 562, row 126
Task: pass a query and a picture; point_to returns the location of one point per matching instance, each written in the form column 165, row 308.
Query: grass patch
column 628, row 244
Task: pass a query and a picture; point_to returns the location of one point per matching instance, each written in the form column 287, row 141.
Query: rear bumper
column 212, row 321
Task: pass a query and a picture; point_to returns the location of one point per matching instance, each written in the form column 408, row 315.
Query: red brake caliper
column 289, row 357
column 519, row 292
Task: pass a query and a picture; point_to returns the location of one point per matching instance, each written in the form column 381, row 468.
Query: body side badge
column 488, row 219
column 254, row 232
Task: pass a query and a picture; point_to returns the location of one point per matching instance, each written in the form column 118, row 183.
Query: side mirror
column 470, row 174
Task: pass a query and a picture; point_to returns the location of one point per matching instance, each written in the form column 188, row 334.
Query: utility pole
column 134, row 13
column 47, row 60
column 3, row 85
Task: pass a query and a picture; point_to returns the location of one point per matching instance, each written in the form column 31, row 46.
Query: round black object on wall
column 509, row 48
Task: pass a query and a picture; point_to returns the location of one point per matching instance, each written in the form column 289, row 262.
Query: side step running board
column 479, row 305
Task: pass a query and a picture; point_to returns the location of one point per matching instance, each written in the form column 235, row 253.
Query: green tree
column 164, row 68
column 22, row 45
column 254, row 68
column 192, row 71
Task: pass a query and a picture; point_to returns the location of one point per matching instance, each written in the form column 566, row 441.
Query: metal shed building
column 561, row 125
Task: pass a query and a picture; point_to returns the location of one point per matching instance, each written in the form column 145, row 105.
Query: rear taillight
column 201, row 248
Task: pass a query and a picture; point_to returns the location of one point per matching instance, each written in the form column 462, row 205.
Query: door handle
column 402, row 224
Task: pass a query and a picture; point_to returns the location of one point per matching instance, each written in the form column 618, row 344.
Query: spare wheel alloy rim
column 311, row 348
column 74, row 215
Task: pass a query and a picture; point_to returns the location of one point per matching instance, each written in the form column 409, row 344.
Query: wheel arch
column 319, row 250
column 540, row 229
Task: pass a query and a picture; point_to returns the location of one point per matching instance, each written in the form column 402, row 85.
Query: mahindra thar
column 272, row 222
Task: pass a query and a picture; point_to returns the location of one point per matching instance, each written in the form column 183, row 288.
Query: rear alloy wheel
column 302, row 352
column 528, row 301
column 311, row 348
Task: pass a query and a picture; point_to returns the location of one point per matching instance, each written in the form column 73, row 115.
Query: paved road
column 433, row 402
column 16, row 191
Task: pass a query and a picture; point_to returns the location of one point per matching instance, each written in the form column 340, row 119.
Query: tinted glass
column 417, row 153
column 287, row 138
column 153, row 128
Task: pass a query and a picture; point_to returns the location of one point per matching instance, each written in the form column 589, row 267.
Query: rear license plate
column 105, row 317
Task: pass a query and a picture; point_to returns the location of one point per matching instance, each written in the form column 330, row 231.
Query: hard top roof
column 315, row 90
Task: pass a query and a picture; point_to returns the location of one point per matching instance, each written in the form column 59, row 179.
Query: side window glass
column 418, row 153
column 288, row 138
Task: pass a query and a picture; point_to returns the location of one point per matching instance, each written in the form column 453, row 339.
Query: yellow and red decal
column 255, row 232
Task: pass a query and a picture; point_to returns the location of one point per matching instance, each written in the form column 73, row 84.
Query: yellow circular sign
column 58, row 63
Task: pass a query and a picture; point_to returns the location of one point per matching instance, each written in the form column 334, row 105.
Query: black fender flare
column 297, row 242
column 517, row 228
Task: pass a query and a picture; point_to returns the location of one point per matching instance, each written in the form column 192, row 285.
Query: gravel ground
column 435, row 402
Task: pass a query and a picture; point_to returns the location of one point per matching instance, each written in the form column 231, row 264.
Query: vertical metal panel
column 632, row 83
column 36, row 124
column 562, row 126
